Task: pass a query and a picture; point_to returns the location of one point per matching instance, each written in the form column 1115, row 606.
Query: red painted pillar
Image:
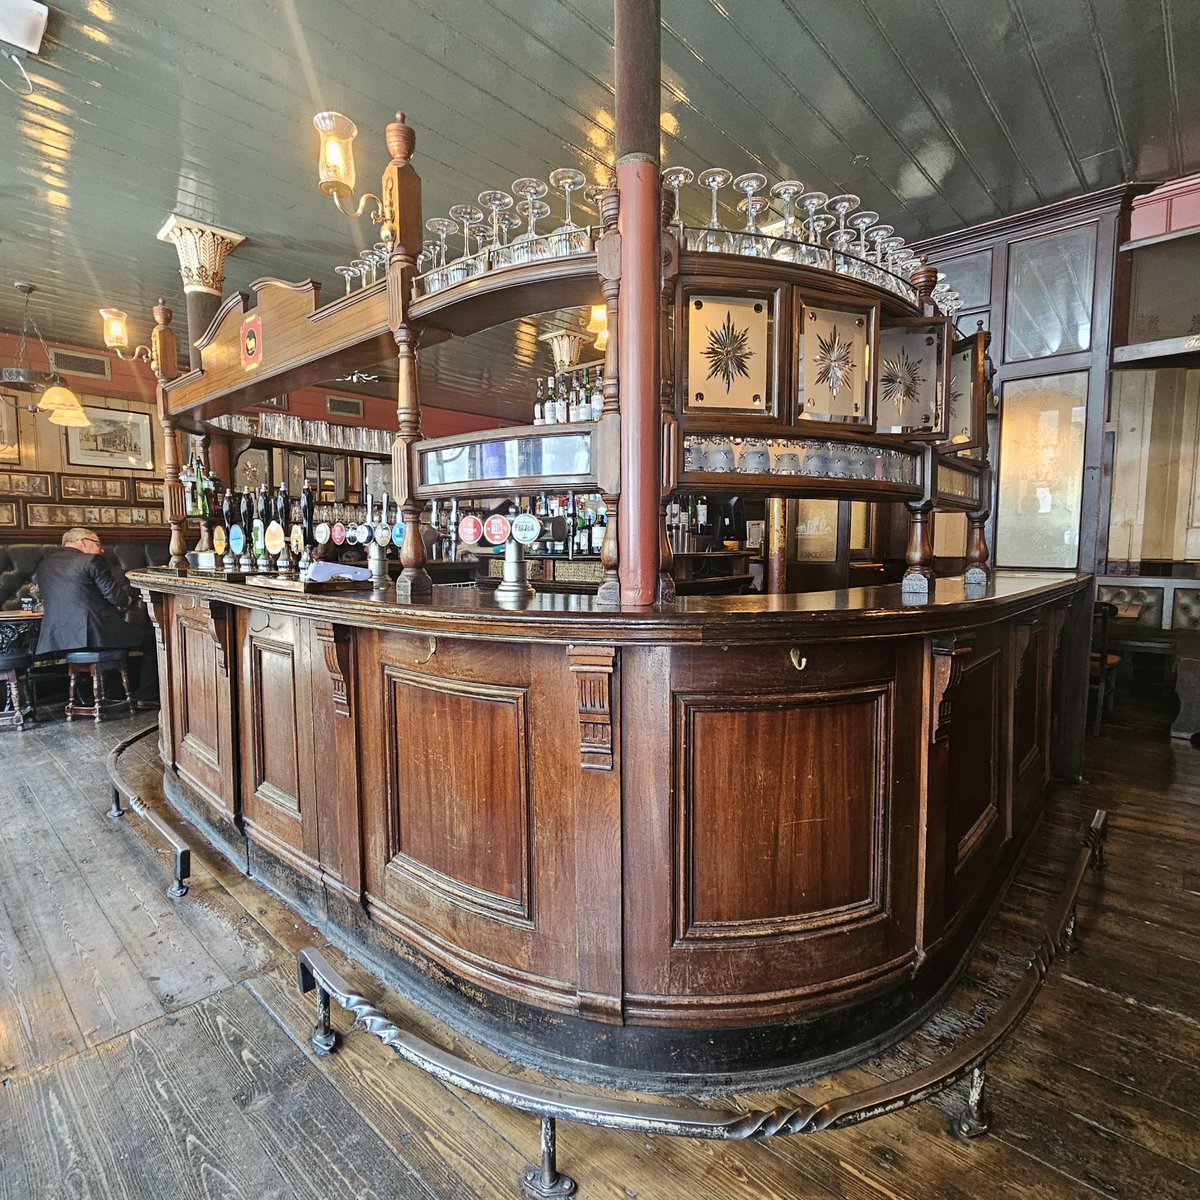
column 638, row 86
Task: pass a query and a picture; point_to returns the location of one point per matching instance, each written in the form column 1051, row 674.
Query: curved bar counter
column 733, row 839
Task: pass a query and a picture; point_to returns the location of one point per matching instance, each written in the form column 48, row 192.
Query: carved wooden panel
column 592, row 667
column 200, row 698
column 459, row 813
column 275, row 774
column 975, row 815
column 782, row 804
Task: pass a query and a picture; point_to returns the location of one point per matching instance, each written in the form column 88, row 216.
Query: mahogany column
column 638, row 84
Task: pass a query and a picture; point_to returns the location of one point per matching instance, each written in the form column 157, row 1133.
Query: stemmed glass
column 478, row 231
column 466, row 215
column 347, row 273
column 591, row 195
column 441, row 227
column 890, row 246
column 714, row 238
column 674, row 178
column 498, row 202
column 750, row 243
column 810, row 202
column 876, row 236
column 841, row 206
column 531, row 244
column 787, row 190
column 861, row 221
column 532, row 190
column 841, row 240
column 569, row 238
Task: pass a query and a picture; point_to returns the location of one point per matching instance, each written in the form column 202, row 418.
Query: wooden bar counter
column 731, row 839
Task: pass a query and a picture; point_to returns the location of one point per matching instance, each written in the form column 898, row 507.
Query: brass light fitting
column 336, row 172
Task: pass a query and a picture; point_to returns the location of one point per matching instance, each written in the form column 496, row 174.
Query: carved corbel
column 1023, row 632
column 949, row 652
column 592, row 667
column 336, row 642
column 1057, row 623
column 217, row 624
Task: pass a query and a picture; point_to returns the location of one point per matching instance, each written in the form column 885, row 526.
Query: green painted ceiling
column 939, row 115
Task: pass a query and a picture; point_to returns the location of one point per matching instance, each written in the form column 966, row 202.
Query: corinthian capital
column 202, row 250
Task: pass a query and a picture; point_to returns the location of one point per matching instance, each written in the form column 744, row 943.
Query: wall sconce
column 116, row 337
column 599, row 326
column 335, row 168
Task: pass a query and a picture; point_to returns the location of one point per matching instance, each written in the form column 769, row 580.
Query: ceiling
column 939, row 115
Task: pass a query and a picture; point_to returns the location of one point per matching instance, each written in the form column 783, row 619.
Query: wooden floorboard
column 151, row 1048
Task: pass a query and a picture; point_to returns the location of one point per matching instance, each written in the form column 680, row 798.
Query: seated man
column 85, row 609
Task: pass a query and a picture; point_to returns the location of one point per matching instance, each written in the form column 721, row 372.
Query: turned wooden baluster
column 608, row 435
column 401, row 194
column 919, row 552
column 164, row 363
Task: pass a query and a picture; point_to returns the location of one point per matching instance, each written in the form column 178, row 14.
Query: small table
column 18, row 635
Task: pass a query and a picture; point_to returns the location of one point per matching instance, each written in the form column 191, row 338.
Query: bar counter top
column 875, row 611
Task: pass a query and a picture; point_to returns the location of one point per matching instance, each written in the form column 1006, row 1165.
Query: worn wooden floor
column 151, row 1049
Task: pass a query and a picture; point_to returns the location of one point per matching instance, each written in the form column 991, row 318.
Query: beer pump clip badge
column 251, row 342
column 470, row 530
column 496, row 529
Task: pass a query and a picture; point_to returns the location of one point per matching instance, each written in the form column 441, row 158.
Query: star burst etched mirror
column 730, row 354
column 913, row 377
column 834, row 350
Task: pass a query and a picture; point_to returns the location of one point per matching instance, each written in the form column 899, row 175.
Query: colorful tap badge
column 322, row 533
column 496, row 529
column 237, row 539
column 297, row 540
column 398, row 534
column 364, row 534
column 383, row 534
column 274, row 539
column 351, row 535
column 470, row 530
column 338, row 534
column 256, row 537
column 526, row 529
column 219, row 542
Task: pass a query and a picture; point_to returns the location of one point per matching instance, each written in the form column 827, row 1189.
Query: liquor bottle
column 537, row 403
column 702, row 515
column 550, row 408
column 573, row 399
column 560, row 403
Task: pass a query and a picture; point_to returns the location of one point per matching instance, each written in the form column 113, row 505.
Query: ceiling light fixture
column 56, row 398
column 116, row 335
column 599, row 326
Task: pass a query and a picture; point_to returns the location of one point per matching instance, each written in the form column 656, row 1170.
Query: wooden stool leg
column 128, row 701
column 98, row 696
column 72, row 690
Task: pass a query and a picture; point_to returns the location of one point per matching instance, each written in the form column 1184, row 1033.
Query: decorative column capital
column 202, row 250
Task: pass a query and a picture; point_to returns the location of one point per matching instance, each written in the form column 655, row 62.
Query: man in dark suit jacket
column 85, row 608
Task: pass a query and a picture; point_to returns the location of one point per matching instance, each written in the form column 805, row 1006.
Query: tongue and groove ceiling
column 939, row 115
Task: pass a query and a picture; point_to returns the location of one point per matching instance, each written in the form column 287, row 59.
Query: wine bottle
column 560, row 403
column 550, row 408
column 597, row 397
column 537, row 403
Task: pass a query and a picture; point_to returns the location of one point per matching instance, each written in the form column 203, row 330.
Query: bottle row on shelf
column 569, row 398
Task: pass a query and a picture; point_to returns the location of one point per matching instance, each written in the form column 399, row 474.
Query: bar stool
column 95, row 663
column 14, row 667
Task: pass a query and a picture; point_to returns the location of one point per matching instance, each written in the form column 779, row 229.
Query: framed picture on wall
column 8, row 513
column 113, row 439
column 93, row 487
column 147, row 490
column 10, row 440
column 35, row 484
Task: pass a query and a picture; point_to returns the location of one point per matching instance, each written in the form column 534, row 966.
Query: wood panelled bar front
column 660, row 840
column 746, row 834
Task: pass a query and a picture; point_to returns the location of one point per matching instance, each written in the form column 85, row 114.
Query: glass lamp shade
column 601, row 342
column 599, row 319
column 336, row 163
column 69, row 416
column 116, row 335
column 58, row 399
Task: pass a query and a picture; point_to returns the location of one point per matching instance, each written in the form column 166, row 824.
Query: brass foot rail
column 969, row 1058
column 181, row 852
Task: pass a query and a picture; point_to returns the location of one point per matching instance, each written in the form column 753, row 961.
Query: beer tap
column 246, row 517
column 261, row 518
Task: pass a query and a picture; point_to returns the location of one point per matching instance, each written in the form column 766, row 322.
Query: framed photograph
column 93, row 487
column 8, row 513
column 113, row 439
column 148, row 491
column 755, row 531
column 10, row 438
column 33, row 484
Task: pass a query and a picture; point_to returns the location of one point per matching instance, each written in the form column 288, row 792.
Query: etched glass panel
column 816, row 530
column 508, row 458
column 971, row 277
column 833, row 369
column 1050, row 294
column 910, row 378
column 960, row 422
column 729, row 353
column 1041, row 471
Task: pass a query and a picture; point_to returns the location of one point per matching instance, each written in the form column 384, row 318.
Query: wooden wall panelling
column 463, row 842
column 594, row 775
column 783, row 881
column 336, row 751
column 977, row 789
column 1031, row 663
column 278, row 780
column 201, row 699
